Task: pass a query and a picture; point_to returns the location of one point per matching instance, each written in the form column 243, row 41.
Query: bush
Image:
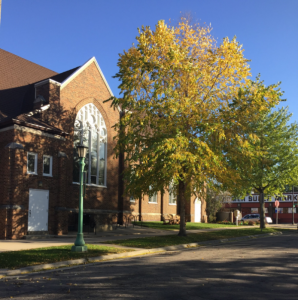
column 251, row 223
column 212, row 219
column 225, row 222
column 245, row 223
column 257, row 222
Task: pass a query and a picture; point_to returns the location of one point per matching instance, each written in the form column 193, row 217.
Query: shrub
column 257, row 222
column 245, row 223
column 225, row 222
column 212, row 219
column 251, row 223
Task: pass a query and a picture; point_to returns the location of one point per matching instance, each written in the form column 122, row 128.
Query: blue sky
column 63, row 34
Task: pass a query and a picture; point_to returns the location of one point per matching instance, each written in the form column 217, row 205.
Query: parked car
column 256, row 217
column 251, row 217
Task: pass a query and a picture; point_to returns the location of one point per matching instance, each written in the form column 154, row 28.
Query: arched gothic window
column 90, row 130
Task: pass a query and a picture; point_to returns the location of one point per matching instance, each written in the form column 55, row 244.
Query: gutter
column 13, row 121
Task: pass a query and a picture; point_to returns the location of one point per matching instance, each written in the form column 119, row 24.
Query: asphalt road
column 255, row 269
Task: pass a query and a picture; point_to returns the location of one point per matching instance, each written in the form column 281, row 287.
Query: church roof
column 18, row 77
column 17, row 92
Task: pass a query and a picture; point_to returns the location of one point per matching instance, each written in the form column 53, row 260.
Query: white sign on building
column 255, row 198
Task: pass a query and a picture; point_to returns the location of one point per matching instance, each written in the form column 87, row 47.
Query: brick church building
column 41, row 116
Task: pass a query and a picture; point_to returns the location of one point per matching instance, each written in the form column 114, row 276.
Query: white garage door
column 38, row 210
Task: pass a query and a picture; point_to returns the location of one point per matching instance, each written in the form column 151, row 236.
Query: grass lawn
column 25, row 258
column 189, row 225
column 169, row 240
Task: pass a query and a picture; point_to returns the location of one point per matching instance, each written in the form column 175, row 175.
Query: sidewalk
column 121, row 233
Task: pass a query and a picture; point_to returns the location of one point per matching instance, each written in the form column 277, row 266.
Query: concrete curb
column 103, row 258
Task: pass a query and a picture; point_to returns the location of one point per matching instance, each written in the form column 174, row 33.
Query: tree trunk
column 262, row 211
column 181, row 188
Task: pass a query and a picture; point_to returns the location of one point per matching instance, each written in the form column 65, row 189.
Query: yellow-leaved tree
column 180, row 101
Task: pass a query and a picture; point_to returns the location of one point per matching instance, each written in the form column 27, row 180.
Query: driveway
column 255, row 269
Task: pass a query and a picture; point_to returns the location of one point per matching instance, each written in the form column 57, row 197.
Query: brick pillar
column 62, row 222
column 61, row 217
column 2, row 224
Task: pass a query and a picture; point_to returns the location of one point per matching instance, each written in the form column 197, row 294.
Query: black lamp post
column 79, row 245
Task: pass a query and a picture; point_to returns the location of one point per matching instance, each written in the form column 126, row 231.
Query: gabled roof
column 18, row 78
column 81, row 69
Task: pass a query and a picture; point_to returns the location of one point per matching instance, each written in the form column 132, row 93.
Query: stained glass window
column 90, row 130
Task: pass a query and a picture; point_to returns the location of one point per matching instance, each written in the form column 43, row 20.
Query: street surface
column 254, row 269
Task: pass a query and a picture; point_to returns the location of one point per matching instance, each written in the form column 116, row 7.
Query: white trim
column 106, row 160
column 34, row 131
column 47, row 81
column 92, row 185
column 172, row 203
column 95, row 185
column 51, row 166
column 35, row 163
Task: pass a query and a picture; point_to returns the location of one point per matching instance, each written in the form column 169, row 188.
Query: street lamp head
column 82, row 151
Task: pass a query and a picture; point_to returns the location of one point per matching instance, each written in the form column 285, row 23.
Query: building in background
column 250, row 205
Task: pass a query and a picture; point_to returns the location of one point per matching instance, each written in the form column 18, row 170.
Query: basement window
column 32, row 163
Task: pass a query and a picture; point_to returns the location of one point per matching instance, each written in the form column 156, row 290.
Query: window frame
column 35, row 163
column 154, row 196
column 51, row 166
column 171, row 194
column 132, row 199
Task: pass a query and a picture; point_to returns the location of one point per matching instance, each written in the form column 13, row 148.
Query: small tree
column 178, row 87
column 272, row 162
column 215, row 202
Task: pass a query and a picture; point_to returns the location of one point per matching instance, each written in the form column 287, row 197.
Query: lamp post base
column 79, row 249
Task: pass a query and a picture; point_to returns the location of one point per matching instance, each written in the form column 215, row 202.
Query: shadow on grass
column 170, row 240
column 189, row 225
column 24, row 258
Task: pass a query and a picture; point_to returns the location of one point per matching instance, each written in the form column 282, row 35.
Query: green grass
column 24, row 258
column 189, row 225
column 170, row 240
